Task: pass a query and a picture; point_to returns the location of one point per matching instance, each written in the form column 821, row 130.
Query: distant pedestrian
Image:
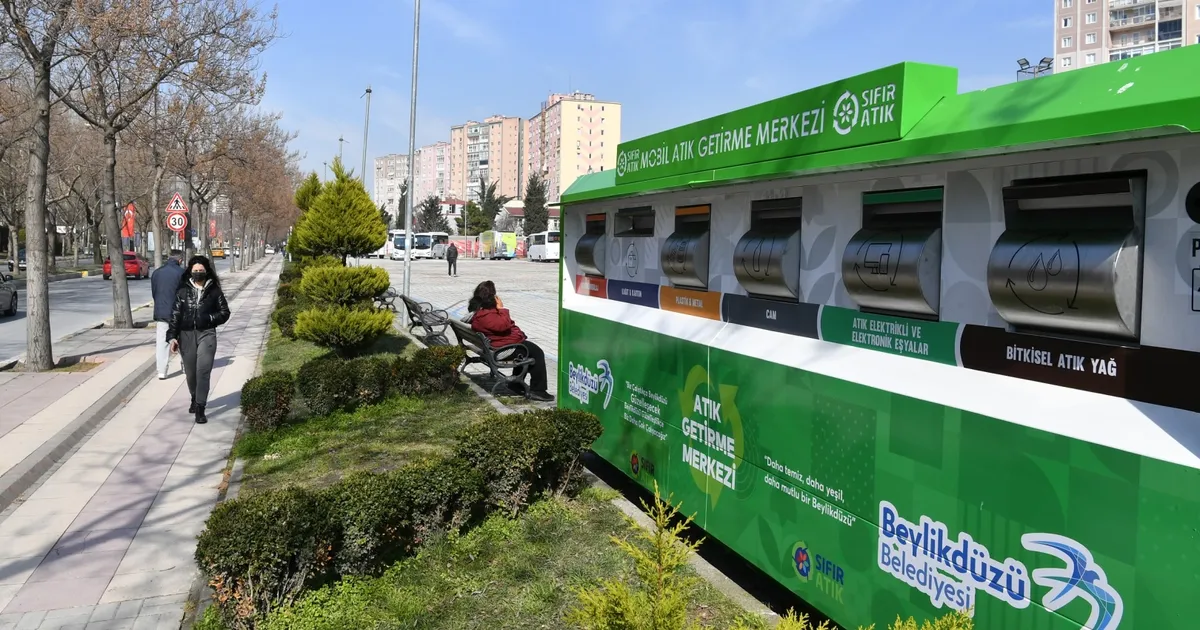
column 452, row 260
column 163, row 284
column 200, row 307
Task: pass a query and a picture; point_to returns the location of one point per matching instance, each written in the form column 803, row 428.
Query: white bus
column 543, row 246
column 430, row 245
column 396, row 242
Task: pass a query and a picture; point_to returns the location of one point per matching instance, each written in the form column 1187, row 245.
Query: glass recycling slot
column 766, row 260
column 893, row 265
column 1070, row 259
column 685, row 252
column 590, row 250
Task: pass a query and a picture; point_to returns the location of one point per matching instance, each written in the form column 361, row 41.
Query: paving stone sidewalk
column 106, row 540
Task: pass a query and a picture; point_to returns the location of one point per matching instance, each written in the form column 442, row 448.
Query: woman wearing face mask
column 200, row 307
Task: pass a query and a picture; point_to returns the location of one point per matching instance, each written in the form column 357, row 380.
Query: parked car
column 19, row 263
column 136, row 267
column 270, row 250
column 8, row 296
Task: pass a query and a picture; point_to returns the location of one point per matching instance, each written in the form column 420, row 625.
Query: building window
column 1089, row 18
column 1066, row 4
column 1090, row 59
column 1090, row 2
column 1066, row 62
column 1090, row 38
column 1066, row 22
column 1067, row 41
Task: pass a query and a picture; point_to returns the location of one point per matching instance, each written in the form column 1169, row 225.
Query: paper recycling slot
column 766, row 260
column 685, row 252
column 590, row 250
column 1070, row 260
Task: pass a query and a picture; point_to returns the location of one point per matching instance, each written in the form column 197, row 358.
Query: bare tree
column 36, row 28
column 122, row 51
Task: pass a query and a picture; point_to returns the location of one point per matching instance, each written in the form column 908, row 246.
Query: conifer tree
column 342, row 220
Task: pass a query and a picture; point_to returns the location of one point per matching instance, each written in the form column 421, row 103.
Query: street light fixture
column 412, row 147
column 1045, row 66
column 1024, row 69
column 366, row 128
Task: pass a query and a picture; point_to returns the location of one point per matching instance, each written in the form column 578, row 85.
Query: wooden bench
column 431, row 320
column 513, row 358
column 388, row 299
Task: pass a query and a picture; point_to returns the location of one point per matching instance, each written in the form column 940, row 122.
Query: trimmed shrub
column 343, row 329
column 371, row 376
column 429, row 371
column 286, row 294
column 285, row 317
column 573, row 435
column 263, row 551
column 344, row 286
column 384, row 517
column 267, row 399
column 326, row 384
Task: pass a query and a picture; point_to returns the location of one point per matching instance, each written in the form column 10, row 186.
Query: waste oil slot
column 685, row 252
column 589, row 251
column 766, row 260
column 893, row 265
column 1070, row 258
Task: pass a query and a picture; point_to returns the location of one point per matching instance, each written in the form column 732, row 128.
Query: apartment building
column 432, row 171
column 573, row 134
column 390, row 172
column 493, row 149
column 1088, row 32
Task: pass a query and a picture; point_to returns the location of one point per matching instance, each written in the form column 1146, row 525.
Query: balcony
column 1121, row 4
column 1131, row 22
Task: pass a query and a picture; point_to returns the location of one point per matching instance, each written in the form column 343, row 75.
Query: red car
column 136, row 267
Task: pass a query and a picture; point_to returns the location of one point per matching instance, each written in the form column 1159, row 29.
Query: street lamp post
column 412, row 147
column 366, row 128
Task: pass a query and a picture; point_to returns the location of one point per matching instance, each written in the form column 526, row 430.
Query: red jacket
column 497, row 326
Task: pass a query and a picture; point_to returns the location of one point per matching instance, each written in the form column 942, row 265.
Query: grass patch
column 319, row 451
column 289, row 354
column 504, row 574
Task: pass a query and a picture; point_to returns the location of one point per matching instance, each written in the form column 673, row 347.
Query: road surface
column 74, row 306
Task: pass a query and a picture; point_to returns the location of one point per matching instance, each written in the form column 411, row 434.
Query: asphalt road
column 74, row 306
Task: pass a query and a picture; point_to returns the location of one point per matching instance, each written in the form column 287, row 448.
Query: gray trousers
column 198, row 349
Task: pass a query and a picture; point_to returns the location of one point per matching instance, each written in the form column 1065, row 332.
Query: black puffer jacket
column 197, row 312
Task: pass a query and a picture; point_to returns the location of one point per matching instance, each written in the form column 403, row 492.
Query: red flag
column 212, row 228
column 127, row 223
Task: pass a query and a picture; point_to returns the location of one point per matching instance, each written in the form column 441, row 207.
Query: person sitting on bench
column 493, row 321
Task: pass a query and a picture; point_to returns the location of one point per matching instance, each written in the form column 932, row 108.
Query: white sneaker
column 162, row 377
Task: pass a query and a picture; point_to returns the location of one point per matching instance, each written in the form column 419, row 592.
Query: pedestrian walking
column 199, row 308
column 452, row 260
column 163, row 283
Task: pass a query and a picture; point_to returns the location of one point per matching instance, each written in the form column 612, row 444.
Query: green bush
column 344, row 286
column 285, row 318
column 293, row 271
column 267, row 399
column 384, row 517
column 343, row 329
column 371, row 376
column 429, row 371
column 326, row 384
column 262, row 551
column 524, row 455
column 286, row 294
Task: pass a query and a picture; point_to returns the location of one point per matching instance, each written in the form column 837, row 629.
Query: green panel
column 869, row 108
column 1141, row 98
column 932, row 341
column 902, row 196
column 832, row 469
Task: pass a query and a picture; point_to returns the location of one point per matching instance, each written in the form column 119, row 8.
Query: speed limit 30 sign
column 177, row 221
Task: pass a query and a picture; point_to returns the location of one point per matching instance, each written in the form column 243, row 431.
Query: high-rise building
column 1088, row 32
column 493, row 149
column 390, row 172
column 432, row 172
column 573, row 135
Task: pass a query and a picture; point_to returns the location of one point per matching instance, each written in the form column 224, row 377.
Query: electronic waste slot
column 767, row 258
column 685, row 253
column 894, row 263
column 589, row 251
column 1070, row 259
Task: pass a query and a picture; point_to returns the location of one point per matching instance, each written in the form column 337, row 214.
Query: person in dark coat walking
column 163, row 283
column 200, row 307
column 452, row 260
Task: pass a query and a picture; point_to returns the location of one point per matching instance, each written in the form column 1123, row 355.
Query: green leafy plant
column 267, row 400
column 308, row 190
column 262, row 551
column 285, row 295
column 344, row 286
column 326, row 384
column 341, row 221
column 285, row 318
column 371, row 379
column 658, row 599
column 428, row 217
column 429, row 371
column 536, row 215
column 343, row 329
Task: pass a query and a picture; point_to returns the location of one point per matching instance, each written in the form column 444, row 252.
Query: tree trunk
column 75, row 247
column 122, row 313
column 39, row 354
column 233, row 260
column 160, row 248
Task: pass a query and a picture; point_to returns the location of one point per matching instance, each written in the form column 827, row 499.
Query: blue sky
column 669, row 62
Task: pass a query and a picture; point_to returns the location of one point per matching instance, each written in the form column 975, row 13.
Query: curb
column 55, row 278
column 11, row 361
column 15, row 482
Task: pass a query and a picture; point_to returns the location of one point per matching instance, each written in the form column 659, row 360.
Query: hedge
column 267, row 399
column 371, row 376
column 343, row 329
column 344, row 286
column 285, row 318
column 326, row 385
column 432, row 370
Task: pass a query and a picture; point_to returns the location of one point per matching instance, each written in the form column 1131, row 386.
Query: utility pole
column 341, row 141
column 366, row 128
column 412, row 147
